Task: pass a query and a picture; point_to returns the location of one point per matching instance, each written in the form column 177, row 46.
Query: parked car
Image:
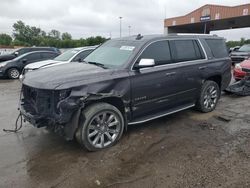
column 126, row 81
column 238, row 72
column 14, row 67
column 233, row 49
column 241, row 54
column 22, row 51
column 72, row 55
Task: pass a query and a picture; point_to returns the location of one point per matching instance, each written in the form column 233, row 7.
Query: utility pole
column 120, row 26
column 129, row 28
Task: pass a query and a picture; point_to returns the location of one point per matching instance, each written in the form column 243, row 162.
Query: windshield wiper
column 97, row 64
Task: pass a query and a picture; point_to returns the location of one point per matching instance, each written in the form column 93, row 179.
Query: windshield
column 113, row 53
column 66, row 56
column 245, row 48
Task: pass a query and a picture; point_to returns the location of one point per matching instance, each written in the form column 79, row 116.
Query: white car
column 72, row 55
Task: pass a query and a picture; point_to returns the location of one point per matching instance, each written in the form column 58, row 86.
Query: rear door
column 189, row 60
column 173, row 83
column 31, row 58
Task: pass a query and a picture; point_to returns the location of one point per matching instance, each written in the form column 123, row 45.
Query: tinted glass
column 32, row 57
column 82, row 55
column 48, row 55
column 22, row 51
column 218, row 47
column 245, row 48
column 187, row 50
column 159, row 51
column 66, row 56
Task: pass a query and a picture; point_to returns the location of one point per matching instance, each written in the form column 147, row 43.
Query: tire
column 13, row 73
column 99, row 131
column 209, row 96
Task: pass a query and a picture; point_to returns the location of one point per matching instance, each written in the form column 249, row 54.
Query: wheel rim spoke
column 93, row 133
column 113, row 131
column 108, row 136
column 111, row 117
column 113, row 124
column 102, row 140
column 104, row 116
column 97, row 138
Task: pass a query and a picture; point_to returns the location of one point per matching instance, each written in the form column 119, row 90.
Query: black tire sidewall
column 88, row 115
column 200, row 102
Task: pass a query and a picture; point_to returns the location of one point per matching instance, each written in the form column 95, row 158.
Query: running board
column 159, row 115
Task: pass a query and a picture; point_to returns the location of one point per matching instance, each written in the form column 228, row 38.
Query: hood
column 238, row 53
column 66, row 76
column 245, row 64
column 6, row 57
column 41, row 64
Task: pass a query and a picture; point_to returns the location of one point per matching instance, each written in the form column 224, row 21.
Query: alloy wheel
column 103, row 129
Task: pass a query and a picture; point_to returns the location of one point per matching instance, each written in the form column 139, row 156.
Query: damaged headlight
column 63, row 94
column 238, row 66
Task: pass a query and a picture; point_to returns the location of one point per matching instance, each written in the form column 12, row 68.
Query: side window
column 32, row 57
column 218, row 47
column 22, row 51
column 159, row 51
column 186, row 50
column 82, row 55
column 48, row 55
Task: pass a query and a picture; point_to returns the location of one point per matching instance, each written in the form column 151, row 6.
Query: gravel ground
column 187, row 149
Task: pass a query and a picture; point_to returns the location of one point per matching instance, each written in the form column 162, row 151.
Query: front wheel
column 102, row 127
column 209, row 96
column 13, row 73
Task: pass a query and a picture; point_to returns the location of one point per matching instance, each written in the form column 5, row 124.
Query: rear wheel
column 102, row 127
column 209, row 96
column 13, row 73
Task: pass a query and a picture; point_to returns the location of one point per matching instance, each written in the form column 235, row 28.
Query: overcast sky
column 84, row 18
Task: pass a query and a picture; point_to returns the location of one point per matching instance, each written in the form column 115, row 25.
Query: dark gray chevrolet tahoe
column 126, row 81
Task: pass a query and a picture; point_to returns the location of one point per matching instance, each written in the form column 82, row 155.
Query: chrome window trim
column 178, row 63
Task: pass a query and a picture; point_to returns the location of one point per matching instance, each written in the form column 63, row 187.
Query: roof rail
column 201, row 34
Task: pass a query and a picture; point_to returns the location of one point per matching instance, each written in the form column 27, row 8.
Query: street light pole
column 120, row 26
column 129, row 27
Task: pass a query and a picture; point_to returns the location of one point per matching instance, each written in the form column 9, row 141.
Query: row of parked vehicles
column 241, row 60
column 124, row 81
column 26, row 59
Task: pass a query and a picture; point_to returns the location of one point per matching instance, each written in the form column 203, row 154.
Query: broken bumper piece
column 241, row 88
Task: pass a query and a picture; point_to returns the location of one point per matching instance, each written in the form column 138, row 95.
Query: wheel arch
column 216, row 78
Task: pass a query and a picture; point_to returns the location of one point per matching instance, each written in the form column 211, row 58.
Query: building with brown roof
column 210, row 18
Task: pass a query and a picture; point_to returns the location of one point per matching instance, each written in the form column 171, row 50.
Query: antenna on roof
column 139, row 37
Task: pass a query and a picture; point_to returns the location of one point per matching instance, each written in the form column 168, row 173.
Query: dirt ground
column 187, row 149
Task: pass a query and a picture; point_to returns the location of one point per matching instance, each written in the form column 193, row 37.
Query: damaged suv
column 126, row 81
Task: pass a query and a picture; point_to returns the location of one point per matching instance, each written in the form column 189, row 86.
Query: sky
column 85, row 18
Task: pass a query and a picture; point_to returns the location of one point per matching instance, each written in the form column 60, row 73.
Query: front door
column 151, row 86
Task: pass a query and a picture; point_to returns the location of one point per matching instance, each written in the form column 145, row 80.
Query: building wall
column 215, row 12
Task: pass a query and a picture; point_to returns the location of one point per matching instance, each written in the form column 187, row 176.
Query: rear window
column 186, row 50
column 48, row 55
column 218, row 47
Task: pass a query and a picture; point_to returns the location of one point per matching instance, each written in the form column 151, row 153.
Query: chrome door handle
column 202, row 68
column 170, row 74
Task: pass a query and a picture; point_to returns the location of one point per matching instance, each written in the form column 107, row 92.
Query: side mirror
column 79, row 60
column 24, row 60
column 145, row 63
column 16, row 53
